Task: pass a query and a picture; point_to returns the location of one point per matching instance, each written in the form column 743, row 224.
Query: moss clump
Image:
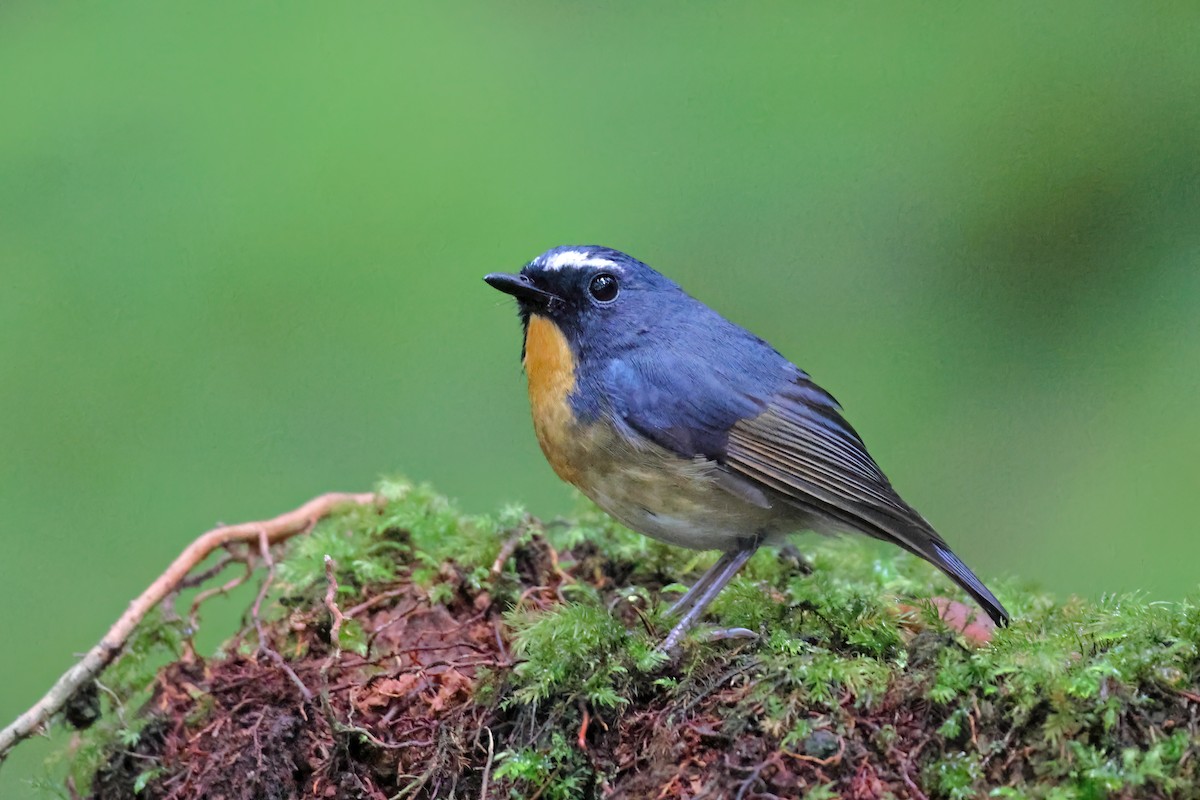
column 540, row 678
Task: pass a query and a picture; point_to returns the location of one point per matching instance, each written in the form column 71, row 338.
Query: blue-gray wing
column 776, row 428
column 683, row 405
column 771, row 423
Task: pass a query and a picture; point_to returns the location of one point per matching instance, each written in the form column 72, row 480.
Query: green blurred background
column 241, row 250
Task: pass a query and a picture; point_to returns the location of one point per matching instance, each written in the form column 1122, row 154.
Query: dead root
column 264, row 534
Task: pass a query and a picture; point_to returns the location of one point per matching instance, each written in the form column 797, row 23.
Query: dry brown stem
column 264, row 646
column 95, row 660
column 335, row 613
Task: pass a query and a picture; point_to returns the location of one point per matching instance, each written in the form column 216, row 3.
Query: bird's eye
column 604, row 287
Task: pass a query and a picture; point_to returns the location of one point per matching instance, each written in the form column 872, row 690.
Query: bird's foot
column 710, row 635
column 721, row 634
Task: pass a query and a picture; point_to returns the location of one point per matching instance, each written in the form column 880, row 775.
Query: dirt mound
column 526, row 671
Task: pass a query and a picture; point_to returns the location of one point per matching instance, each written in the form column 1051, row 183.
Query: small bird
column 690, row 429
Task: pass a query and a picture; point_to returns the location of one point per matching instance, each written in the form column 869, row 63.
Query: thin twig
column 207, row 594
column 335, row 629
column 416, row 785
column 508, row 547
column 337, row 726
column 264, row 546
column 755, row 775
column 487, row 768
column 824, row 762
column 95, row 660
column 583, row 726
column 192, row 581
column 118, row 704
column 354, row 611
column 500, row 642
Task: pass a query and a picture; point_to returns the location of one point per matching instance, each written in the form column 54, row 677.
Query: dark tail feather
column 916, row 536
column 945, row 560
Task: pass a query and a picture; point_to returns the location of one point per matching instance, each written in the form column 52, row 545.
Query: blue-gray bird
column 692, row 430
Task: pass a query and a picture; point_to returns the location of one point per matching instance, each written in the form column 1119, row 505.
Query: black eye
column 604, row 287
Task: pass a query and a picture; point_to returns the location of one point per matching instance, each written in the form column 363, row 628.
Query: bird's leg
column 730, row 564
column 684, row 603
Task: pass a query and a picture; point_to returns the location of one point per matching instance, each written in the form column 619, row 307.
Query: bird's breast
column 550, row 369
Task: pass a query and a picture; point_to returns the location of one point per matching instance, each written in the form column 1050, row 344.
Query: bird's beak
column 521, row 288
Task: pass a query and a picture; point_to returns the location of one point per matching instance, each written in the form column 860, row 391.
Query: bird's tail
column 961, row 574
column 923, row 541
column 901, row 524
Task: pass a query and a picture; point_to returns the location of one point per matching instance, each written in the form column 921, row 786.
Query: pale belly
column 656, row 493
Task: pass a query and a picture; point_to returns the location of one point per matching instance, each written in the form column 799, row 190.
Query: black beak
column 521, row 288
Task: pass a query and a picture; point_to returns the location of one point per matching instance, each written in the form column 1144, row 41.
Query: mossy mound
column 506, row 658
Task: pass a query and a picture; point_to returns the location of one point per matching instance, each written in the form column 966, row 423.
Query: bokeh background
column 241, row 249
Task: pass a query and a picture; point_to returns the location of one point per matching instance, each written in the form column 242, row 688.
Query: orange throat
column 550, row 368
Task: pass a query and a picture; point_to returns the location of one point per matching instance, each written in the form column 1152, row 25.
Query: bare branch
column 95, row 660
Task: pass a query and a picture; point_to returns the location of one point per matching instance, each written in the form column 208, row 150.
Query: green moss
column 413, row 527
column 581, row 651
column 557, row 771
column 956, row 775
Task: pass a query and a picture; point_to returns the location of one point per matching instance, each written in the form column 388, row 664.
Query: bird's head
column 590, row 293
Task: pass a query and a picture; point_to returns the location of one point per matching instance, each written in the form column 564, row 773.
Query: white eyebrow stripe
column 575, row 259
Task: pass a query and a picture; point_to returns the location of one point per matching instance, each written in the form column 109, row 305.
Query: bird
column 692, row 430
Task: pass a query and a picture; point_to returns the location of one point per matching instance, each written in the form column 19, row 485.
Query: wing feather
column 811, row 456
column 804, row 439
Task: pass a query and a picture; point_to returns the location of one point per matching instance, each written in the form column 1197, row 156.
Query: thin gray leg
column 735, row 562
column 689, row 598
